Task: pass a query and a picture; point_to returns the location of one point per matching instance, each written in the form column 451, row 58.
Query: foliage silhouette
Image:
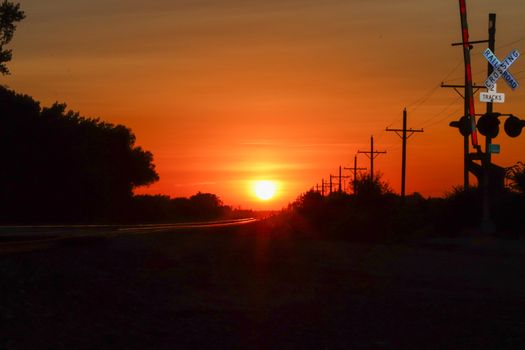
column 61, row 167
column 364, row 216
column 516, row 175
column 10, row 13
column 376, row 214
column 161, row 208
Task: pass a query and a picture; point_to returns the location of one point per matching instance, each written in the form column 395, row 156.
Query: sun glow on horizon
column 265, row 189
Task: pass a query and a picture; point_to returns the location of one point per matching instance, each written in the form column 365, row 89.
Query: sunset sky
column 227, row 92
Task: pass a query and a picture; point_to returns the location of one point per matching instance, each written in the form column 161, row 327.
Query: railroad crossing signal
column 500, row 68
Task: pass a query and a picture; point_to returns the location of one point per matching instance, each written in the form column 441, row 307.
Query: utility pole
column 404, row 138
column 322, row 187
column 340, row 180
column 341, row 177
column 372, row 155
column 468, row 95
column 354, row 172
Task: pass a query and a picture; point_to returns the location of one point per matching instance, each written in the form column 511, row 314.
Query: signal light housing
column 463, row 125
column 488, row 125
column 513, row 126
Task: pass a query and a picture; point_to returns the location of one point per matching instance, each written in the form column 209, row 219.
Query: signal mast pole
column 487, row 225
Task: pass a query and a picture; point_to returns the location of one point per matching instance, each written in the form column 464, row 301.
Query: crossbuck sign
column 500, row 69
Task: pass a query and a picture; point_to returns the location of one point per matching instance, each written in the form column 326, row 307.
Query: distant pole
column 372, row 155
column 354, row 172
column 340, row 180
column 404, row 138
column 331, row 183
column 372, row 159
column 322, row 187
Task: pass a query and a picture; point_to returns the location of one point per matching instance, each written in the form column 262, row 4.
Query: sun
column 265, row 189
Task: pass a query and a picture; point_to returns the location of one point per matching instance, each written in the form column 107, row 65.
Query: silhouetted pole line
column 404, row 136
column 372, row 155
column 354, row 171
column 323, row 184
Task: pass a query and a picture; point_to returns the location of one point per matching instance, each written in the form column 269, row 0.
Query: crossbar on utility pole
column 341, row 177
column 404, row 136
column 372, row 155
column 354, row 172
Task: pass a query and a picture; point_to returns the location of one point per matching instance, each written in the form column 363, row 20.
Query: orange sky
column 224, row 92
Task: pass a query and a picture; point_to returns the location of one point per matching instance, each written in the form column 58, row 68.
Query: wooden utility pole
column 340, row 180
column 404, row 138
column 341, row 177
column 470, row 112
column 354, row 172
column 372, row 155
column 468, row 95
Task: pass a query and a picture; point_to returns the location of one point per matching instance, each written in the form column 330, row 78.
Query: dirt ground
column 240, row 288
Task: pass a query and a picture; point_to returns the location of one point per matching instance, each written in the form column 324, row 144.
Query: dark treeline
column 60, row 167
column 201, row 206
column 376, row 214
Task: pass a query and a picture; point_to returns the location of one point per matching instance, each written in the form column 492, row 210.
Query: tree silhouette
column 10, row 13
column 59, row 166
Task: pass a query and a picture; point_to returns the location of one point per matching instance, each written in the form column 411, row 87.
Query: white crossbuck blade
column 500, row 68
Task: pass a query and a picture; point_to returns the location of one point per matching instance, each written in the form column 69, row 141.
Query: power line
column 423, row 123
column 444, row 118
column 511, row 43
